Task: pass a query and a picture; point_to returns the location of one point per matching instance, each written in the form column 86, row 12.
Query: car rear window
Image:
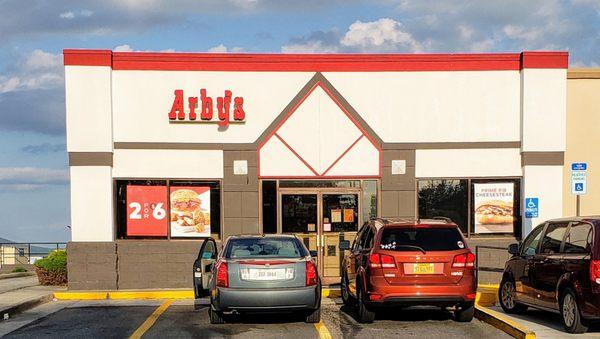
column 261, row 248
column 415, row 239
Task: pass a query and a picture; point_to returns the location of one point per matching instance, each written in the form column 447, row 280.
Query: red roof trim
column 545, row 60
column 314, row 62
column 86, row 57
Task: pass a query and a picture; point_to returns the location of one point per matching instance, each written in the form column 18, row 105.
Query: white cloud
column 381, row 35
column 312, row 46
column 123, row 48
column 72, row 15
column 32, row 177
column 67, row 15
column 223, row 49
column 37, row 70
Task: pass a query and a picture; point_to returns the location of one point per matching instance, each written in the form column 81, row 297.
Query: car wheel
column 314, row 316
column 215, row 317
column 569, row 310
column 346, row 297
column 507, row 297
column 465, row 313
column 364, row 315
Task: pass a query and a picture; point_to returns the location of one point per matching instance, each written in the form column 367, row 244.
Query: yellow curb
column 81, row 295
column 330, row 293
column 180, row 294
column 322, row 330
column 503, row 323
column 145, row 326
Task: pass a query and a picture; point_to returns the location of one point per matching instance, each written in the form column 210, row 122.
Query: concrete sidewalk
column 545, row 324
column 19, row 294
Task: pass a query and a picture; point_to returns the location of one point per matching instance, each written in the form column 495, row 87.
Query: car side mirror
column 513, row 249
column 313, row 253
column 344, row 245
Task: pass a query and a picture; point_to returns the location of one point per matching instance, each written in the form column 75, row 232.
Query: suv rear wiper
column 412, row 246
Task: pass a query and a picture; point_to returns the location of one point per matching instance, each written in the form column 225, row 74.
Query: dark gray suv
column 255, row 273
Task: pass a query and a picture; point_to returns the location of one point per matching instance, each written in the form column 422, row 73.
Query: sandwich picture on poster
column 190, row 211
column 494, row 207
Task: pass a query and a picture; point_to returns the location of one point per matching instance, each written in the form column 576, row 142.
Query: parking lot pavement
column 120, row 319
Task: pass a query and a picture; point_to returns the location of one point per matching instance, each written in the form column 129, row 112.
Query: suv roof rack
column 436, row 220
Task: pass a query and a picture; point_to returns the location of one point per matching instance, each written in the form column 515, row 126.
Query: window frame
column 542, row 228
column 562, row 242
column 568, row 232
column 120, row 230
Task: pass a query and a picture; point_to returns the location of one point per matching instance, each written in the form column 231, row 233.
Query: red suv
column 399, row 262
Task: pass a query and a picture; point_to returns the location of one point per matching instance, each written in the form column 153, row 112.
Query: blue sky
column 34, row 193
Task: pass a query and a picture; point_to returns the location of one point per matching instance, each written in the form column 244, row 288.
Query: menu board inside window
column 146, row 211
column 494, row 207
column 190, row 211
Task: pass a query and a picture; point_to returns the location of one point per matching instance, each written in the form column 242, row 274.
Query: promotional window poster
column 146, row 210
column 190, row 211
column 494, row 207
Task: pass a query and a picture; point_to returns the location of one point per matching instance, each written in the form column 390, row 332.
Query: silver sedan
column 254, row 273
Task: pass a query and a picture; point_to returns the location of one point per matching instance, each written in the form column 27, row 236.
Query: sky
column 34, row 179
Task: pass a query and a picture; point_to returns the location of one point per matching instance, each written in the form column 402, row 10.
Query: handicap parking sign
column 578, row 178
column 532, row 207
column 578, row 187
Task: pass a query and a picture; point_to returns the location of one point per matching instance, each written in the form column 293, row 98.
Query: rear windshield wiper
column 412, row 246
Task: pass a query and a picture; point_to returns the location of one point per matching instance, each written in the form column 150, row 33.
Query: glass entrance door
column 321, row 218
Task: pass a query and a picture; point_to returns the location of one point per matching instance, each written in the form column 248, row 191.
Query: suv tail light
column 377, row 260
column 222, row 275
column 311, row 273
column 595, row 271
column 465, row 260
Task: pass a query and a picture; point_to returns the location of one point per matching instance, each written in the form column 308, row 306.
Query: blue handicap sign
column 579, row 187
column 532, row 207
column 579, row 166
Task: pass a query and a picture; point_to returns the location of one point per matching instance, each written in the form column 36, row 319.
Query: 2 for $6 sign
column 146, row 210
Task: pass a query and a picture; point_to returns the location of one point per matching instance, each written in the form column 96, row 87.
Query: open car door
column 203, row 267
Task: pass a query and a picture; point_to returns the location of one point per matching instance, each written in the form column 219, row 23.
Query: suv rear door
column 423, row 255
column 548, row 266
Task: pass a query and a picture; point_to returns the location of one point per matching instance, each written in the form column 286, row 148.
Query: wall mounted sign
column 532, row 207
column 146, row 210
column 222, row 110
column 494, row 207
column 190, row 211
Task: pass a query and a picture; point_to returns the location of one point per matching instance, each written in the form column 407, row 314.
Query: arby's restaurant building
column 166, row 149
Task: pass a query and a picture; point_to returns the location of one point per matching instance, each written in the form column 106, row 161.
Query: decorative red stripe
column 342, row 155
column 296, row 154
column 86, row 57
column 544, row 60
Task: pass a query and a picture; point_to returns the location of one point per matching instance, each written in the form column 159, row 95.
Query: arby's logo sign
column 223, row 110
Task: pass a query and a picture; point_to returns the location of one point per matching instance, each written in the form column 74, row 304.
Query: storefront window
column 369, row 207
column 340, row 212
column 298, row 213
column 444, row 198
column 269, row 206
column 168, row 209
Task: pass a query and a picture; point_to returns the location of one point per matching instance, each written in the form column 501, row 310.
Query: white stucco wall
column 544, row 110
column 88, row 107
column 464, row 163
column 92, row 217
column 435, row 106
column 133, row 163
column 545, row 183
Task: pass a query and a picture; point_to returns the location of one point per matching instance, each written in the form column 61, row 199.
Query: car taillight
column 465, row 260
column 222, row 275
column 595, row 271
column 311, row 273
column 382, row 261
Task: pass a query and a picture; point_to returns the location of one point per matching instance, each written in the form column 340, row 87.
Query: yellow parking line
column 145, row 326
column 322, row 330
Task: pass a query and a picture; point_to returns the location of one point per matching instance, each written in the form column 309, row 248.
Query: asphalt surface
column 119, row 319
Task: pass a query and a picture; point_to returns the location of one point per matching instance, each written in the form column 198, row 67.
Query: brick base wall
column 491, row 257
column 131, row 264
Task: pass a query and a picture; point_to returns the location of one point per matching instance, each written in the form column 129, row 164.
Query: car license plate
column 267, row 274
column 423, row 269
